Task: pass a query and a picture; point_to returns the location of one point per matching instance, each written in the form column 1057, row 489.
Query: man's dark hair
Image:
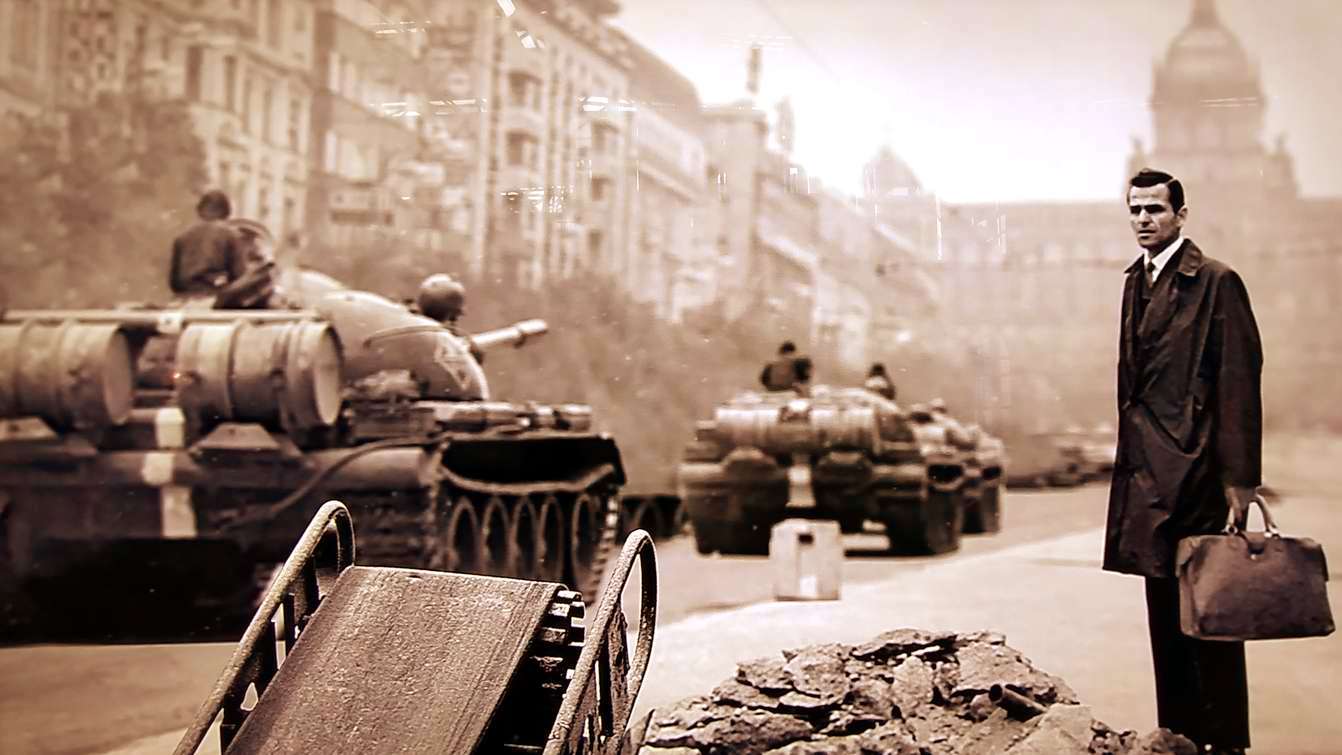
column 214, row 204
column 876, row 369
column 788, row 347
column 1146, row 178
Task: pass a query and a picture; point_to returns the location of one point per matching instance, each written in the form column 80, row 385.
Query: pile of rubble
column 907, row 692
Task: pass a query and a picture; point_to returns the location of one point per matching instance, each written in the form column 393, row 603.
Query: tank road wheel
column 985, row 515
column 747, row 539
column 550, row 555
column 462, row 546
column 524, row 540
column 646, row 516
column 925, row 527
column 584, row 539
column 494, row 539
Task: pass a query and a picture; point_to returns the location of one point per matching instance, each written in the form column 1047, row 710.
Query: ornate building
column 1033, row 289
column 542, row 96
column 1207, row 110
column 368, row 126
column 671, row 250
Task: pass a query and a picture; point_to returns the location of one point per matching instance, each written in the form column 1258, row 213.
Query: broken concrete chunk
column 844, row 721
column 1061, row 730
column 871, row 697
column 982, row 666
column 805, row 702
column 732, row 692
column 984, row 637
column 980, row 708
column 750, row 732
column 889, row 644
column 891, row 738
column 911, row 687
column 831, row 746
column 764, row 674
column 945, row 682
column 819, row 671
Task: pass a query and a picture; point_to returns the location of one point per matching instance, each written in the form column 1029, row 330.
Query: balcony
column 526, row 61
column 519, row 178
column 523, row 119
column 612, row 114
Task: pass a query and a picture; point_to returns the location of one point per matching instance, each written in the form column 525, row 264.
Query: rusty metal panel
column 398, row 660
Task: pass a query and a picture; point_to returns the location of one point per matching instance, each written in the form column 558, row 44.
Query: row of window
column 260, row 204
column 254, row 97
column 378, row 93
column 268, row 17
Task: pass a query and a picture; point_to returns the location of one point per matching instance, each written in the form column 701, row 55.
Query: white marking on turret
column 178, row 515
column 169, row 428
column 156, row 471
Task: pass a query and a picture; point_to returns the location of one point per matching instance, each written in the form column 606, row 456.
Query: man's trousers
column 1202, row 690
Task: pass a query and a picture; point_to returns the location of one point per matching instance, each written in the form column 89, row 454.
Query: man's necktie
column 1150, row 274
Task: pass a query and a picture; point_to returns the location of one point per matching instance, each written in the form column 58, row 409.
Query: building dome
column 1206, row 62
column 886, row 176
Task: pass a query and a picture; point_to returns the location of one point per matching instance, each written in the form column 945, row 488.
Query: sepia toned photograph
column 670, row 377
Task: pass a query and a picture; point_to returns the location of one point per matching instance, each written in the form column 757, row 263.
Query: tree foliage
column 94, row 195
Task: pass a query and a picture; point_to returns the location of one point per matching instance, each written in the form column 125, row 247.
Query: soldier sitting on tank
column 258, row 287
column 209, row 255
column 789, row 371
column 443, row 299
column 879, row 382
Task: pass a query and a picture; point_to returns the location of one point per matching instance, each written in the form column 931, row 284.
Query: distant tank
column 984, row 458
column 864, row 457
column 172, row 443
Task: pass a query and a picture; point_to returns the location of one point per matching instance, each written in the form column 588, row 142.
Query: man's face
column 1153, row 221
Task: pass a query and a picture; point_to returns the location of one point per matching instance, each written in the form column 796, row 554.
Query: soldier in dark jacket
column 788, row 372
column 1189, row 448
column 210, row 254
column 879, row 382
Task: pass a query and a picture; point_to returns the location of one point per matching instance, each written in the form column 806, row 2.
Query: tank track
column 545, row 534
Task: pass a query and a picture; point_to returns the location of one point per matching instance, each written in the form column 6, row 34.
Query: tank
column 984, row 457
column 172, row 456
column 858, row 455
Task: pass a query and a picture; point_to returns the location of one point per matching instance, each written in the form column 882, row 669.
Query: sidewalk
column 1054, row 604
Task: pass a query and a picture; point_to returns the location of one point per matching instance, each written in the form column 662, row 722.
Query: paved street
column 1038, row 582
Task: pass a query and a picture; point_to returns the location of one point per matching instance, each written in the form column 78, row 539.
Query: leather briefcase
column 1252, row 585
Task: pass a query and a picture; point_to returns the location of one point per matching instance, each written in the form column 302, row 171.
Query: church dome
column 1206, row 62
column 887, row 175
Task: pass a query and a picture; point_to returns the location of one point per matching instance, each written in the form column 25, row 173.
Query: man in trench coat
column 1189, row 449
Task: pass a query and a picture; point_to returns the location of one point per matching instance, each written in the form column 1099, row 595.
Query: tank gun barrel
column 155, row 320
column 513, row 335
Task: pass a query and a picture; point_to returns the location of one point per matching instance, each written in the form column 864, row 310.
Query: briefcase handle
column 1269, row 524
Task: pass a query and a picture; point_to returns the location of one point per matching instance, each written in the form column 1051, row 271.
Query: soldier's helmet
column 441, row 298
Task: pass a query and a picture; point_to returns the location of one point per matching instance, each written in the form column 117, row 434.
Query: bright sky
column 995, row 100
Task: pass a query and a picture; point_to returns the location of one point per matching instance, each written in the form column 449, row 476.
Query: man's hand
column 1238, row 498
